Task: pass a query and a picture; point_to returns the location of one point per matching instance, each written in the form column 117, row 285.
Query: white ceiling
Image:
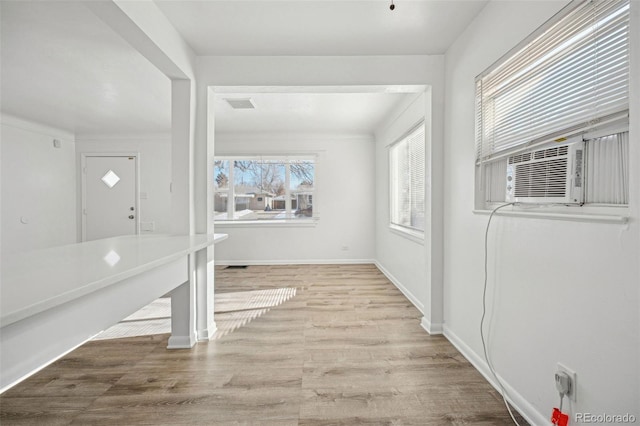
column 62, row 66
column 336, row 113
column 324, row 27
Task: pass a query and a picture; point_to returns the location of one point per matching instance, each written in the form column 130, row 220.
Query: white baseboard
column 206, row 334
column 219, row 262
column 431, row 328
column 400, row 287
column 181, row 342
column 523, row 406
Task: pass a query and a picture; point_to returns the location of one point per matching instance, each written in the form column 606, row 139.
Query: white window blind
column 407, row 166
column 571, row 77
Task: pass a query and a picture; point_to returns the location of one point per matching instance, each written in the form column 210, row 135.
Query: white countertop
column 38, row 280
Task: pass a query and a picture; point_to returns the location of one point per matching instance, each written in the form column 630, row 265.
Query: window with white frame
column 552, row 116
column 407, row 182
column 260, row 188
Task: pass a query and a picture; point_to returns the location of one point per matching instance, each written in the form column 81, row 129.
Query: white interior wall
column 402, row 259
column 344, row 199
column 38, row 186
column 155, row 173
column 559, row 291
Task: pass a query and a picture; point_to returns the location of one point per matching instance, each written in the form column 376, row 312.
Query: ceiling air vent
column 245, row 103
column 552, row 175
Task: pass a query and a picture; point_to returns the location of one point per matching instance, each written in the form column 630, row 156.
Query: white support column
column 183, row 298
column 183, row 313
column 205, row 322
column 204, row 168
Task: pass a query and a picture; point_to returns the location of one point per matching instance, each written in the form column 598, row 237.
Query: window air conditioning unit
column 550, row 175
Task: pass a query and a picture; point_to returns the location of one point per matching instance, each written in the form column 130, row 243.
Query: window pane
column 301, row 182
column 221, row 188
column 404, row 189
column 220, row 200
column 221, row 174
column 416, row 159
column 272, row 177
column 407, row 173
column 259, row 188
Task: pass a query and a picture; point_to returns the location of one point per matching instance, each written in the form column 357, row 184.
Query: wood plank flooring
column 346, row 350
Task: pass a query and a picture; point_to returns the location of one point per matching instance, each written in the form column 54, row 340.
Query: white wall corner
column 528, row 411
column 412, row 298
column 431, row 328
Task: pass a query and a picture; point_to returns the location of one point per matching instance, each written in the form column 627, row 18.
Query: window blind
column 408, row 180
column 571, row 77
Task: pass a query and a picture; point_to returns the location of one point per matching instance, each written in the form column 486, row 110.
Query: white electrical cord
column 484, row 312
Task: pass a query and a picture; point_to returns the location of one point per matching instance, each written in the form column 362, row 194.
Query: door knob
column 131, row 216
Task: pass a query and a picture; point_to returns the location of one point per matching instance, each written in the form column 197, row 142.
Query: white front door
column 110, row 205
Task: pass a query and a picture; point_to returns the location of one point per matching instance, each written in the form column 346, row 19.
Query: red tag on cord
column 559, row 418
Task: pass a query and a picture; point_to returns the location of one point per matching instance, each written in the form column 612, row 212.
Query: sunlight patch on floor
column 232, row 311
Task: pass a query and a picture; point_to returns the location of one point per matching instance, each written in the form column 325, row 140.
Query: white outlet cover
column 148, row 226
column 574, row 383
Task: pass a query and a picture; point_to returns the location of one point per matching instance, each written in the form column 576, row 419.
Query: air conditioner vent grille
column 542, row 179
column 520, row 158
column 551, row 152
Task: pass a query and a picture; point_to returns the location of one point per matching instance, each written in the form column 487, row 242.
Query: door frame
column 83, row 173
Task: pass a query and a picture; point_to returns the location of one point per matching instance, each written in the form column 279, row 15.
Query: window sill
column 621, row 217
column 414, row 236
column 292, row 223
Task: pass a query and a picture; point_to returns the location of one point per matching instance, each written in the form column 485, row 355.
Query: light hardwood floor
column 346, row 350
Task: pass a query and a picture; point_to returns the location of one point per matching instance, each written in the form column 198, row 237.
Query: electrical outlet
column 147, row 226
column 573, row 385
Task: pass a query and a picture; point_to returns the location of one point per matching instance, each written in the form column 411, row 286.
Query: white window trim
column 597, row 214
column 408, row 233
column 281, row 223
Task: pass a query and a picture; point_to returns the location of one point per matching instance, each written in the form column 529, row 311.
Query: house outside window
column 263, row 188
